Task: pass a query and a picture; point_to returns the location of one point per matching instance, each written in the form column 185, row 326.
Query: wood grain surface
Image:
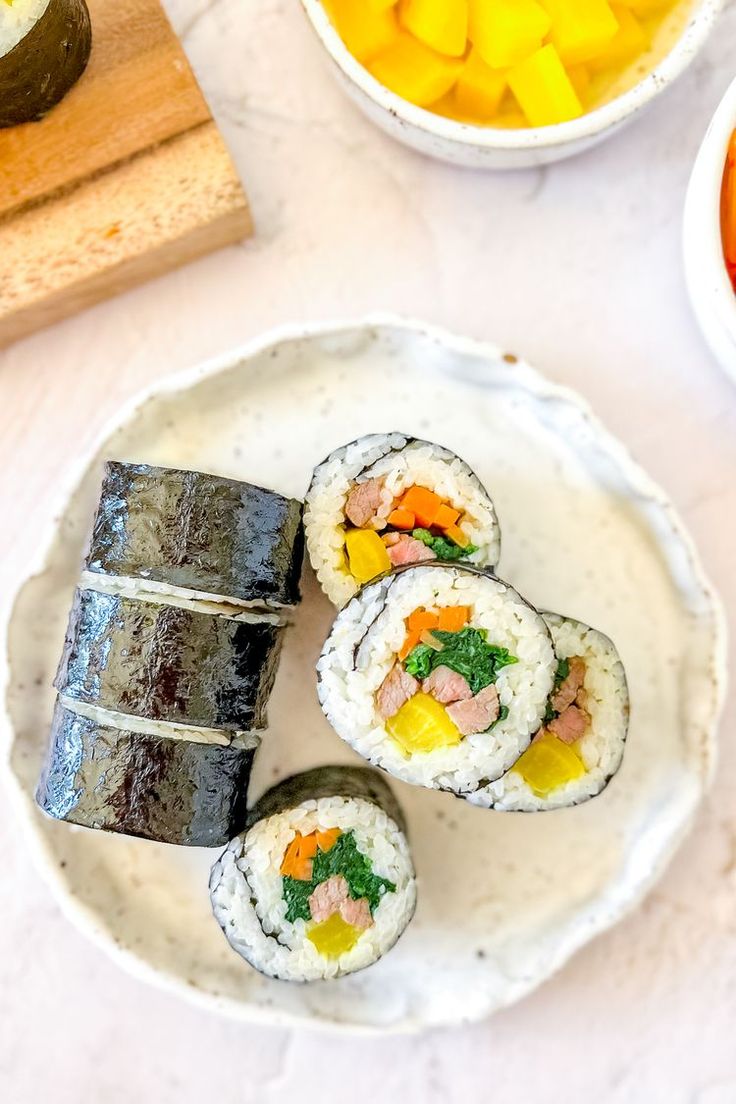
column 127, row 178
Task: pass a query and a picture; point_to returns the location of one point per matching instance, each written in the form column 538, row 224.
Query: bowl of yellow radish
column 508, row 83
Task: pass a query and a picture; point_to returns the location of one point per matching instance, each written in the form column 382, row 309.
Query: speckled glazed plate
column 504, row 899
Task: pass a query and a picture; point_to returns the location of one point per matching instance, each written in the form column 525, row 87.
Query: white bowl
column 711, row 292
column 504, row 899
column 494, row 148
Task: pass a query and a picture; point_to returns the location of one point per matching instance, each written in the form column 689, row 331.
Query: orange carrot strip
column 401, row 518
column 423, row 504
column 446, row 516
column 456, row 534
column 328, row 838
column 453, row 618
column 416, row 623
column 297, row 861
column 728, row 204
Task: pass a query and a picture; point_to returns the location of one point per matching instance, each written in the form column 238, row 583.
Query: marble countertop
column 578, row 267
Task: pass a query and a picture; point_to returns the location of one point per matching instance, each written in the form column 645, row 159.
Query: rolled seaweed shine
column 321, row 882
column 171, row 791
column 44, row 49
column 199, row 534
column 167, row 663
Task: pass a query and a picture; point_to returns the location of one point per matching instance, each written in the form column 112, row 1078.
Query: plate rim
column 84, row 919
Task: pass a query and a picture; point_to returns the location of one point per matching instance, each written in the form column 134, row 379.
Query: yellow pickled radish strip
column 547, row 764
column 504, row 32
column 440, row 24
column 382, row 5
column 334, row 937
column 579, row 78
column 644, row 8
column 414, row 72
column 479, row 90
column 422, row 725
column 629, row 42
column 365, row 29
column 581, row 29
column 543, row 89
column 367, row 555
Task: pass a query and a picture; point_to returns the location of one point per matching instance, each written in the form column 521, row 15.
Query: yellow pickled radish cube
column 479, row 89
column 382, row 5
column 547, row 764
column 543, row 89
column 643, row 8
column 579, row 79
column 367, row 554
column 581, row 29
column 440, row 24
column 421, row 725
column 504, row 32
column 414, row 72
column 334, row 937
column 365, row 29
column 629, row 42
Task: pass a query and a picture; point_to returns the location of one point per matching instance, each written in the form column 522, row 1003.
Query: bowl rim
column 699, row 25
column 707, row 278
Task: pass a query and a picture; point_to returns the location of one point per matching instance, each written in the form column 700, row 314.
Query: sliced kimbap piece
column 321, row 881
column 44, row 49
column 168, row 790
column 168, row 663
column 438, row 674
column 387, row 500
column 580, row 745
column 198, row 535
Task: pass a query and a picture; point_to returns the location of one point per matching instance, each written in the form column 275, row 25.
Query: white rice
column 602, row 746
column 196, row 734
column 362, row 648
column 17, row 19
column 247, row 896
column 402, row 462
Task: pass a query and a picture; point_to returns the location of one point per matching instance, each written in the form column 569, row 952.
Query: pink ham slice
column 334, row 896
column 476, row 714
column 363, row 502
column 569, row 688
column 570, row 725
column 395, row 691
column 408, row 550
column 447, row 686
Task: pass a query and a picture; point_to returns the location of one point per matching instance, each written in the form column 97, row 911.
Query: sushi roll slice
column 580, row 746
column 44, row 49
column 321, row 882
column 168, row 790
column 387, row 500
column 196, row 535
column 438, row 674
column 167, row 663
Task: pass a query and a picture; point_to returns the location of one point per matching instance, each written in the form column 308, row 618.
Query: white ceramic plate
column 710, row 288
column 505, row 899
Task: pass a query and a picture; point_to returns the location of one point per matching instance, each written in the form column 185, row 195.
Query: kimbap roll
column 581, row 743
column 439, row 674
column 143, row 784
column 196, row 535
column 321, row 882
column 44, row 49
column 387, row 500
column 168, row 663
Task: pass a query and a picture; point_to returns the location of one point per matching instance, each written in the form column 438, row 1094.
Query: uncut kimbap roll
column 581, row 743
column 321, row 882
column 439, row 674
column 143, row 784
column 387, row 500
column 198, row 536
column 44, row 49
column 168, row 664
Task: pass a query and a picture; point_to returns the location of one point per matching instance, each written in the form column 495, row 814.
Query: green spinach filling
column 342, row 858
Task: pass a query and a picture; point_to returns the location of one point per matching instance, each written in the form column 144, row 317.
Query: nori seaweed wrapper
column 165, row 663
column 171, row 791
column 200, row 532
column 39, row 71
column 332, row 781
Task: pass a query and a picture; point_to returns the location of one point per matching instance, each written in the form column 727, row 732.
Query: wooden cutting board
column 127, row 178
